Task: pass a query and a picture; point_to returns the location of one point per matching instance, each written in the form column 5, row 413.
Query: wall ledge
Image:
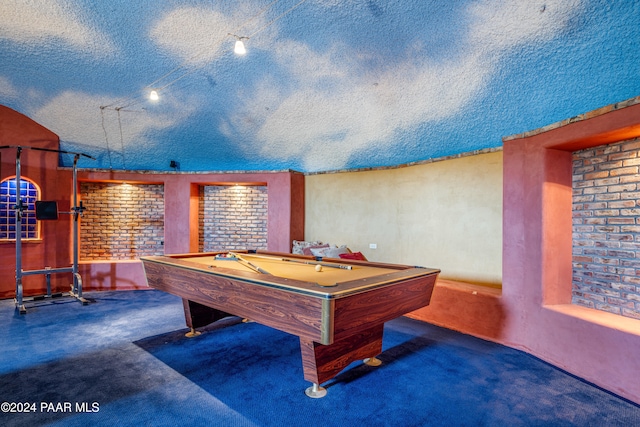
column 491, row 290
column 415, row 163
column 581, row 117
column 467, row 308
column 109, row 261
column 602, row 318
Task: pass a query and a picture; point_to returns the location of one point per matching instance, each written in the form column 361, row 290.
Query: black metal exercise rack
column 76, row 211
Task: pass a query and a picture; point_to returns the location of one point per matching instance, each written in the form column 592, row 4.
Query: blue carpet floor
column 123, row 360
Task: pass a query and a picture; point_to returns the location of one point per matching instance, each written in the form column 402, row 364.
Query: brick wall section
column 234, row 217
column 122, row 221
column 606, row 228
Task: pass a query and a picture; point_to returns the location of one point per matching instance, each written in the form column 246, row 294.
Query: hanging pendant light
column 239, row 49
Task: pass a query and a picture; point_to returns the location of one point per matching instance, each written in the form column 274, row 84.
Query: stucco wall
column 537, row 236
column 42, row 168
column 445, row 214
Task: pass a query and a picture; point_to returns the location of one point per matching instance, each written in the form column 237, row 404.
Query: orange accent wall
column 537, row 255
column 41, row 167
column 285, row 221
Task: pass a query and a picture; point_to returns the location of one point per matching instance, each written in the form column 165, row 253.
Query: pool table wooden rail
column 397, row 273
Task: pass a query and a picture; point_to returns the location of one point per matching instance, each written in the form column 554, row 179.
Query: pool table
column 337, row 307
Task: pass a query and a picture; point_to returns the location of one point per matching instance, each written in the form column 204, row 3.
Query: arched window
column 29, row 193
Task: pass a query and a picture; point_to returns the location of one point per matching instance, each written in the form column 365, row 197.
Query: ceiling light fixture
column 239, row 48
column 153, row 95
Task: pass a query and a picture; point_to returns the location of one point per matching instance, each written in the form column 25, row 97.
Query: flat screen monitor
column 46, row 210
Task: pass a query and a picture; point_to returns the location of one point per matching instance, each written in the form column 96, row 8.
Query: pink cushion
column 353, row 255
column 307, row 250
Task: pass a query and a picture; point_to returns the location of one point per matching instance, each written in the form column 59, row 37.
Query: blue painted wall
column 325, row 84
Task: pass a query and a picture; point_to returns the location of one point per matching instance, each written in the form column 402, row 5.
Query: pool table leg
column 321, row 362
column 198, row 315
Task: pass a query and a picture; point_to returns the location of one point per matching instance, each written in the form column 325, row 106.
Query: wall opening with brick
column 606, row 228
column 121, row 221
column 233, row 217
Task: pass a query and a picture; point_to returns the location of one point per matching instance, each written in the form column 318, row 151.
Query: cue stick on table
column 249, row 264
column 324, row 264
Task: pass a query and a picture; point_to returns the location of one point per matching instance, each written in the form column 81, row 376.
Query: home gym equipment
column 47, row 210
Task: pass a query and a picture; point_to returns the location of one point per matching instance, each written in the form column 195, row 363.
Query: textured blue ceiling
column 325, row 84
